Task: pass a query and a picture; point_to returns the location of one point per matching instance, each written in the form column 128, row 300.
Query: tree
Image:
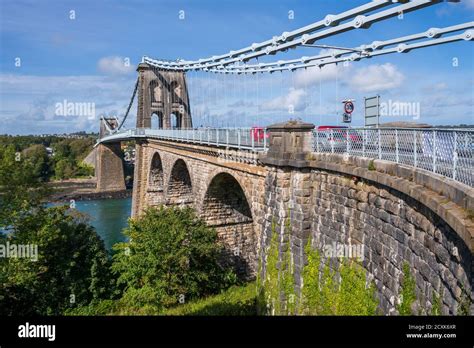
column 64, row 168
column 80, row 148
column 72, row 266
column 172, row 256
column 62, row 149
column 20, row 190
column 39, row 160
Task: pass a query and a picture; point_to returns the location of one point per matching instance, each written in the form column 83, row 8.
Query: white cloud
column 469, row 3
column 294, row 100
column 376, row 78
column 313, row 75
column 115, row 65
column 26, row 106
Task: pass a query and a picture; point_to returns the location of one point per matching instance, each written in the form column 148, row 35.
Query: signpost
column 372, row 111
column 348, row 110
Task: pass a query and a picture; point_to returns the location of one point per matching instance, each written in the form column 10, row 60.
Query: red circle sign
column 348, row 107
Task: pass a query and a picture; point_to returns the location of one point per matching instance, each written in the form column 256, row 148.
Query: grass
column 237, row 300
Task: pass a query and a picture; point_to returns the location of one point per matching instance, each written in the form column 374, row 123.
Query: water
column 108, row 216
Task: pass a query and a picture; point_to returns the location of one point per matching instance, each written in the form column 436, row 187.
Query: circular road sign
column 348, row 107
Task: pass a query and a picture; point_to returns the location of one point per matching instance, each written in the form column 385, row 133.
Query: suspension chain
column 129, row 105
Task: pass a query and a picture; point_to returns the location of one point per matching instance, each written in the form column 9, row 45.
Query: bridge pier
column 109, row 168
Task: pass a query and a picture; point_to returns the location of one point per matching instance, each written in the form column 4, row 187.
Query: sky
column 57, row 53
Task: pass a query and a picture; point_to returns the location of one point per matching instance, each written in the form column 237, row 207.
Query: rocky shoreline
column 82, row 190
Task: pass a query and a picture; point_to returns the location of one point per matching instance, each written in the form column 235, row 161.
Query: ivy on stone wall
column 312, row 301
column 277, row 289
column 407, row 292
column 271, row 283
column 287, row 276
column 325, row 291
column 435, row 304
column 342, row 292
column 465, row 302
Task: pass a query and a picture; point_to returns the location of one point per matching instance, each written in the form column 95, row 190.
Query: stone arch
column 155, row 177
column 154, row 181
column 226, row 208
column 157, row 120
column 180, row 190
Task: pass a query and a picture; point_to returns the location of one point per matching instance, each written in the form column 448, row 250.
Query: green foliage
column 80, row 148
column 371, row 165
column 343, row 291
column 38, row 158
column 287, row 277
column 407, row 292
column 311, row 292
column 68, row 156
column 171, row 255
column 237, row 300
column 95, row 308
column 329, row 290
column 84, row 170
column 277, row 291
column 64, row 168
column 435, row 304
column 270, row 287
column 72, row 265
column 464, row 305
column 20, row 189
column 354, row 296
column 64, row 164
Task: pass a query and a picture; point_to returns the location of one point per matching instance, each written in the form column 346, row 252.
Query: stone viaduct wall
column 226, row 194
column 393, row 227
column 398, row 214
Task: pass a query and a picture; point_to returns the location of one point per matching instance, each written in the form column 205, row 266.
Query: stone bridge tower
column 164, row 95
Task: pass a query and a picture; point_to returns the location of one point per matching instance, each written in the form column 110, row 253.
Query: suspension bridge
column 405, row 194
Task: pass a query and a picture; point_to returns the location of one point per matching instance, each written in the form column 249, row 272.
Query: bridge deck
column 238, row 138
column 447, row 152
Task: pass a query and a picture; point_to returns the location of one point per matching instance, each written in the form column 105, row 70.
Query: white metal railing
column 447, row 152
column 255, row 139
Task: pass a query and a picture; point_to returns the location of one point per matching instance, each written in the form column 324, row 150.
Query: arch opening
column 176, row 120
column 225, row 207
column 154, row 192
column 157, row 120
column 180, row 187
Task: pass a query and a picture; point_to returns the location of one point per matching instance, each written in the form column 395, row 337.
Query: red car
column 258, row 134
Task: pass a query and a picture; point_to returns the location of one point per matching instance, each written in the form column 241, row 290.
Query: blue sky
column 81, row 60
